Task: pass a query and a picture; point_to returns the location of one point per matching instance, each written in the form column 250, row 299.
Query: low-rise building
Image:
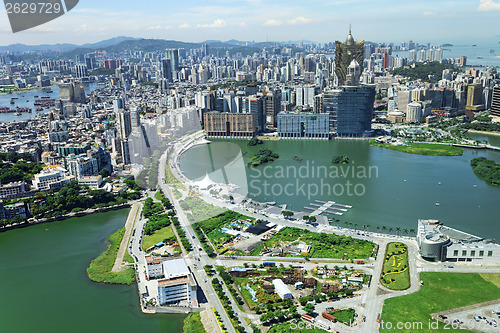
column 12, row 190
column 281, row 289
column 178, row 286
column 94, row 182
column 51, row 178
column 441, row 243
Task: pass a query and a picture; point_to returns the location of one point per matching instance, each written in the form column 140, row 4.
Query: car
column 451, row 266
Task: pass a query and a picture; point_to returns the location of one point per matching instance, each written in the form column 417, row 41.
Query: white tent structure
column 205, row 183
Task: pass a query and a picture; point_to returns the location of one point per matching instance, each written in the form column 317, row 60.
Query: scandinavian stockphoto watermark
column 26, row 14
column 310, row 180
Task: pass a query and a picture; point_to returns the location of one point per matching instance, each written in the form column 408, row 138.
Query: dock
column 329, row 207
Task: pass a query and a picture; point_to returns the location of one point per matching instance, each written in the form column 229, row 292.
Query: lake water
column 44, row 285
column 27, row 98
column 401, row 188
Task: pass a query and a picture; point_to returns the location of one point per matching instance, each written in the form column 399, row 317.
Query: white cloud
column 488, row 5
column 243, row 24
column 184, row 26
column 218, row 23
column 272, row 22
column 299, row 20
column 159, row 27
column 430, row 14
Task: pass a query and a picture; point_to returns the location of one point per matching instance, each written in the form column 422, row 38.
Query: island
column 487, row 170
column 341, row 159
column 263, row 156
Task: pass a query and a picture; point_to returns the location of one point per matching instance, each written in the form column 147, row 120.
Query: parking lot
column 484, row 317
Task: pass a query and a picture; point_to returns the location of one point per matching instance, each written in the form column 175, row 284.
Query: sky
column 321, row 21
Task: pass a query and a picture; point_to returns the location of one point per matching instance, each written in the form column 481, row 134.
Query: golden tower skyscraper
column 345, row 53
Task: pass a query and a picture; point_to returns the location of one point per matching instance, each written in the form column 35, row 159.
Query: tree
column 312, row 219
column 309, row 308
column 104, row 173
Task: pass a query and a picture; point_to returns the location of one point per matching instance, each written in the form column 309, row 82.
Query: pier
column 327, row 207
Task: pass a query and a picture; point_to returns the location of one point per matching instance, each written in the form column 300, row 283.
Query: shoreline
column 64, row 217
column 26, row 90
column 484, row 132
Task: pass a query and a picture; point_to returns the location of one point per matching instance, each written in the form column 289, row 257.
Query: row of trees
column 226, row 303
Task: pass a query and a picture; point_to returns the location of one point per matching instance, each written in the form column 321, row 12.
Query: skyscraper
column 173, row 56
column 344, row 53
column 495, row 102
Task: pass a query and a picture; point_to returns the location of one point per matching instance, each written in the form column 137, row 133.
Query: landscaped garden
column 395, row 272
column 345, row 316
column 439, row 292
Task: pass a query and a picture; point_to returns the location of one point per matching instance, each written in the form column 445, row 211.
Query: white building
column 81, row 165
column 178, row 286
column 440, row 243
column 413, row 112
column 51, row 177
column 94, row 182
column 281, row 289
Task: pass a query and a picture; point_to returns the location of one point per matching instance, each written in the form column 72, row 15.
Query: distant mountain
column 66, row 47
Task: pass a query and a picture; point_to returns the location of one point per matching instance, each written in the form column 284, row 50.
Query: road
column 369, row 303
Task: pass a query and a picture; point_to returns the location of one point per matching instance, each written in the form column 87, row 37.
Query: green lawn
column 158, row 195
column 392, row 263
column 193, row 324
column 345, row 316
column 99, row 269
column 158, row 236
column 295, row 325
column 420, row 148
column 440, row 292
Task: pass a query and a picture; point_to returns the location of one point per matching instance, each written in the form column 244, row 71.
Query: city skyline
column 255, row 20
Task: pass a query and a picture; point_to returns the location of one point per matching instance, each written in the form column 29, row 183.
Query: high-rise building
column 81, row 70
column 344, row 53
column 230, row 124
column 165, row 70
column 173, row 56
column 123, row 124
column 272, row 106
column 474, row 97
column 350, row 109
column 303, row 125
column 495, row 102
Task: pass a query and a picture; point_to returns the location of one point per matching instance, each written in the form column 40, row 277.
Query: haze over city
column 257, row 20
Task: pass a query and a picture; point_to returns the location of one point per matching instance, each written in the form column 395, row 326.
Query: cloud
column 159, row 27
column 488, row 5
column 218, row 23
column 184, row 26
column 272, row 22
column 299, row 20
column 243, row 24
column 430, row 14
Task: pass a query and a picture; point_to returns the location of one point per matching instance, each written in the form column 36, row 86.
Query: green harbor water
column 400, row 189
column 44, row 286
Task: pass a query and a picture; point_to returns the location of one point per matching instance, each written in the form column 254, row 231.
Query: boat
column 474, row 45
column 17, row 114
column 45, row 97
column 439, row 183
column 14, row 97
column 36, row 96
column 437, row 203
column 49, row 91
column 480, row 57
column 39, row 109
column 492, row 51
column 298, row 159
column 12, row 102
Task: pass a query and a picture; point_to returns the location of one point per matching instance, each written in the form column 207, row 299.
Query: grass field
column 345, row 316
column 157, row 236
column 389, row 278
column 99, row 269
column 158, row 195
column 440, row 291
column 422, row 148
column 193, row 324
